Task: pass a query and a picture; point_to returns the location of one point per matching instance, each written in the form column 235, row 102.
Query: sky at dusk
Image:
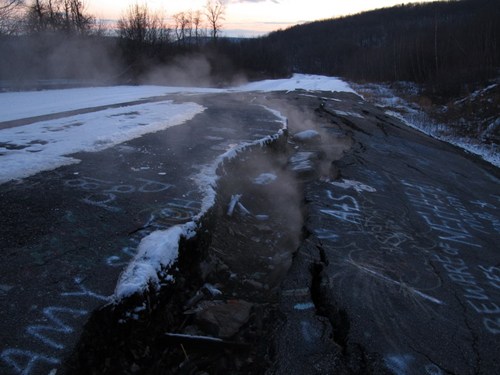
column 250, row 17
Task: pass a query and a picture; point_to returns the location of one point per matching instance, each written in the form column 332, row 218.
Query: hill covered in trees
column 447, row 44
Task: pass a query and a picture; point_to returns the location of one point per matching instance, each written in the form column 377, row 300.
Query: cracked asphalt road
column 67, row 234
column 397, row 272
column 400, row 269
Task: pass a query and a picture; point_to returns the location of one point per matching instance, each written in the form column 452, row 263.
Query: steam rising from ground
column 330, row 146
column 58, row 60
column 183, row 71
column 195, row 70
column 53, row 60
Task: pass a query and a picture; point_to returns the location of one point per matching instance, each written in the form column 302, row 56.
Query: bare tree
column 214, row 11
column 76, row 13
column 9, row 12
column 69, row 16
column 138, row 24
column 183, row 27
column 188, row 27
column 197, row 25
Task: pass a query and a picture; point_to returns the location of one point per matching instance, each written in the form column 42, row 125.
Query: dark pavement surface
column 397, row 272
column 67, row 234
column 400, row 270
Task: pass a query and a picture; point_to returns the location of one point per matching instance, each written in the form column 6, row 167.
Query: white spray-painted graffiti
column 25, row 361
column 454, row 224
column 57, row 321
column 53, row 315
column 345, row 208
column 105, row 193
column 175, row 211
column 391, row 253
column 444, row 213
column 326, row 234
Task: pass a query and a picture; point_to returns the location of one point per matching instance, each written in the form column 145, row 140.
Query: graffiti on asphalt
column 448, row 217
column 104, row 194
column 392, row 244
column 57, row 321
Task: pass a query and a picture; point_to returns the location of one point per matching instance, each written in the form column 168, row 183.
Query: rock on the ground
column 224, row 319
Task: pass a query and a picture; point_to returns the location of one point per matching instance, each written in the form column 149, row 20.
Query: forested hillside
column 445, row 44
column 449, row 46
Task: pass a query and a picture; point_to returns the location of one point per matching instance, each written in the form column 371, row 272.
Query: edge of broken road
column 157, row 274
column 159, row 251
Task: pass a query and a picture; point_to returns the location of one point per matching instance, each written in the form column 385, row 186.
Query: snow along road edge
column 158, row 251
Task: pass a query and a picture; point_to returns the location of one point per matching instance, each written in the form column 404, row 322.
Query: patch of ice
column 306, row 135
column 265, row 179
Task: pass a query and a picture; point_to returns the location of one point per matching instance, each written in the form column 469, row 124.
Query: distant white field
column 45, row 145
column 18, row 105
column 299, row 82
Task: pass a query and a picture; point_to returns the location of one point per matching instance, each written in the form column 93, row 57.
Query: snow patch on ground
column 19, row 105
column 29, row 149
column 156, row 252
column 298, row 82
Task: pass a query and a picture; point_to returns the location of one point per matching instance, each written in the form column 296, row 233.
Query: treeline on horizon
column 445, row 45
column 449, row 46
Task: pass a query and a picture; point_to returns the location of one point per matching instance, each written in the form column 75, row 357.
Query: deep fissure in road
column 346, row 247
column 219, row 313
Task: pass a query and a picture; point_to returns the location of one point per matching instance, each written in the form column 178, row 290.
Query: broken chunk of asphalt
column 223, row 318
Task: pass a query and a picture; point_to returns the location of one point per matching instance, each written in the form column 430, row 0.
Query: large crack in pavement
column 269, row 286
column 217, row 314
